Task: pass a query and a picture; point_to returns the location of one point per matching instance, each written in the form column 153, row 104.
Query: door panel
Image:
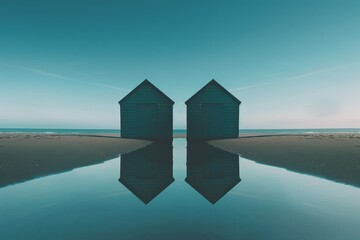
column 146, row 119
column 213, row 169
column 213, row 120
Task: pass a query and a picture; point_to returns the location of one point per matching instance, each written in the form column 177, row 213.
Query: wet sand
column 27, row 156
column 332, row 156
column 179, row 135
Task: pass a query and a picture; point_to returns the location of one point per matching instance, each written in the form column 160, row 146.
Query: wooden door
column 213, row 120
column 146, row 120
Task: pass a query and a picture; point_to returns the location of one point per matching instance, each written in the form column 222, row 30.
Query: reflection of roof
column 213, row 189
column 146, row 82
column 146, row 189
column 215, row 83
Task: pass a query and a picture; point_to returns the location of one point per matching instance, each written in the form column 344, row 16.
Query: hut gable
column 146, row 92
column 146, row 113
column 212, row 92
column 212, row 113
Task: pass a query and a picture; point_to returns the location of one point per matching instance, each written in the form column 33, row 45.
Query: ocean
column 179, row 131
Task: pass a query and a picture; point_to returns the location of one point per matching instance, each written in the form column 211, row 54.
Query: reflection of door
column 213, row 120
column 213, row 169
column 147, row 168
column 146, row 117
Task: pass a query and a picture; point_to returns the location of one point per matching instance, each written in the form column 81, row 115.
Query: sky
column 293, row 64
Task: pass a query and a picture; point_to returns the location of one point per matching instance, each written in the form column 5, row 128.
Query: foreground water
column 200, row 193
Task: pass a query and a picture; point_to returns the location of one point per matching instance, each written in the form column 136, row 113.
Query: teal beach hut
column 212, row 113
column 146, row 113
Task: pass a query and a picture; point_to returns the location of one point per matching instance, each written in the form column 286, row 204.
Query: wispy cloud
column 83, row 74
column 57, row 76
column 276, row 74
column 297, row 77
column 109, row 86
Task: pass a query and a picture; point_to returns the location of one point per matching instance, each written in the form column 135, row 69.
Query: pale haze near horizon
column 292, row 64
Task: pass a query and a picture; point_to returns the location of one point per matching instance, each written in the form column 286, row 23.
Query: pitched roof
column 213, row 190
column 213, row 82
column 146, row 82
column 148, row 190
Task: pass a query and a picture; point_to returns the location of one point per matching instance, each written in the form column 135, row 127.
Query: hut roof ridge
column 150, row 84
column 213, row 81
column 147, row 196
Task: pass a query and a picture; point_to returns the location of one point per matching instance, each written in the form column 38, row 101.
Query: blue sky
column 293, row 64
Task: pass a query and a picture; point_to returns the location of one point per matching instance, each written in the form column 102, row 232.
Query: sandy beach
column 332, row 156
column 27, row 156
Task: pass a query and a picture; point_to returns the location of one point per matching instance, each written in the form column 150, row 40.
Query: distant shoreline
column 176, row 132
column 331, row 156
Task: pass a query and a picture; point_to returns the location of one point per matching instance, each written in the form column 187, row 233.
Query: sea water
column 178, row 131
column 267, row 202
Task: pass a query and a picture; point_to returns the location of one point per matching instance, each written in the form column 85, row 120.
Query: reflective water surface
column 161, row 192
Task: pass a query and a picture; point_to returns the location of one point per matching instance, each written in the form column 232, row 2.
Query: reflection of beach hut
column 146, row 113
column 210, row 171
column 212, row 113
column 147, row 171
